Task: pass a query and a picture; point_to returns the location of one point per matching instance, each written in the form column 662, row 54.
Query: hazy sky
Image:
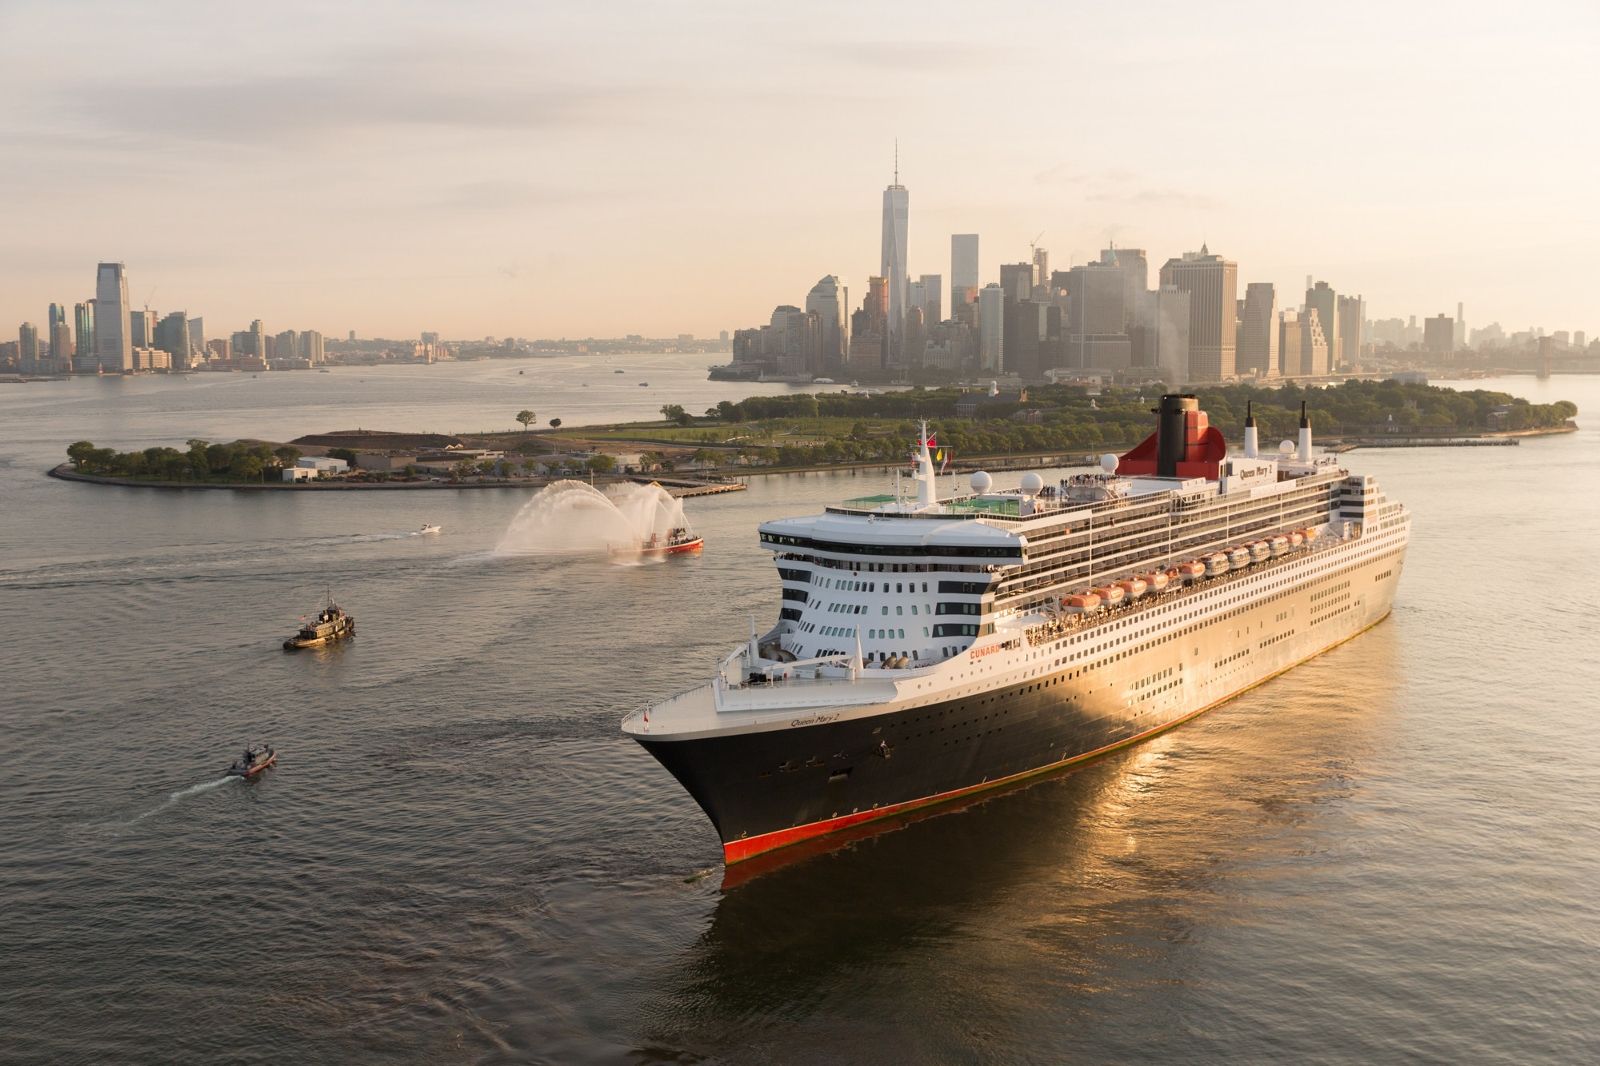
column 577, row 169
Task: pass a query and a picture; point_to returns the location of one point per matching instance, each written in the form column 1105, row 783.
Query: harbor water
column 1387, row 854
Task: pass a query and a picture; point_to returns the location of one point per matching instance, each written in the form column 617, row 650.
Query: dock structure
column 683, row 488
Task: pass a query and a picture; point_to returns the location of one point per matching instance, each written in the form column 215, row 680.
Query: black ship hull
column 765, row 790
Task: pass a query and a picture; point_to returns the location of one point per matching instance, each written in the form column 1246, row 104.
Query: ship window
column 886, row 610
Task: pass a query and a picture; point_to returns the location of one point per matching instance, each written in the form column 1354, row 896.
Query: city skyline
column 537, row 182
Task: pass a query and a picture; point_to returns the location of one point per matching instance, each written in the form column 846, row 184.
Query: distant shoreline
column 679, row 487
column 690, row 487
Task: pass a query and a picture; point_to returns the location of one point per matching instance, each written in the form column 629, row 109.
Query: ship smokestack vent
column 1172, row 432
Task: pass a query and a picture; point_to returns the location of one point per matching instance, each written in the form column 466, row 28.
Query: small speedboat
column 427, row 530
column 255, row 759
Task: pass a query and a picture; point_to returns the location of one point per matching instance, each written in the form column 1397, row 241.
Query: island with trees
column 1048, row 425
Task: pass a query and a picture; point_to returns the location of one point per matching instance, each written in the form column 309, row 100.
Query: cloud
column 390, row 90
column 1121, row 187
column 498, row 195
column 941, row 57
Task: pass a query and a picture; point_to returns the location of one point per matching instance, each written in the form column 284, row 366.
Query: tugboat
column 332, row 624
column 678, row 541
column 255, row 759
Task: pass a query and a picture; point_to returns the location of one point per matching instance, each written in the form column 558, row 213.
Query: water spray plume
column 574, row 518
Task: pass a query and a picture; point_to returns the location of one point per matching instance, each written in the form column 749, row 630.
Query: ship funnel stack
column 1172, row 433
column 1252, row 446
column 1304, row 454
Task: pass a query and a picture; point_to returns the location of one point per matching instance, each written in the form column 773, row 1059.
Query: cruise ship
column 928, row 648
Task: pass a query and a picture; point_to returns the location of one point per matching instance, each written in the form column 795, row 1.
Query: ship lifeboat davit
column 1280, row 546
column 1112, row 595
column 1217, row 564
column 1157, row 580
column 1192, row 571
column 1239, row 558
column 1081, row 602
column 1133, row 586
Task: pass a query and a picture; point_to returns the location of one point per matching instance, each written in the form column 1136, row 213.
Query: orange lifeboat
column 1239, row 558
column 1133, row 586
column 1280, row 546
column 1080, row 602
column 1260, row 549
column 1217, row 564
column 1157, row 580
column 1112, row 595
column 1190, row 571
column 1296, row 539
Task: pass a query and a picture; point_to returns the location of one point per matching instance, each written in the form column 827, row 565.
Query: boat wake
column 574, row 518
column 183, row 794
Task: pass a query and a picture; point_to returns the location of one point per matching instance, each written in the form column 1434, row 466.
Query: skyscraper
column 1097, row 318
column 83, row 357
column 1136, row 272
column 311, row 347
column 1315, row 351
column 197, row 336
column 142, row 328
column 826, row 298
column 932, row 298
column 1212, row 283
column 964, row 273
column 172, row 337
column 1291, row 359
column 1258, row 331
column 28, row 353
column 991, row 328
column 1461, row 325
column 1352, row 330
column 1439, row 334
column 1322, row 297
column 896, row 208
column 1041, row 269
column 1016, row 279
column 112, row 346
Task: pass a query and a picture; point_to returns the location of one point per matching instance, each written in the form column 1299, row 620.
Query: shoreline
column 680, row 488
column 686, row 488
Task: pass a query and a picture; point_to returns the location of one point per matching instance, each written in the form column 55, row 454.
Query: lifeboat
column 1239, row 558
column 1133, row 586
column 1216, row 564
column 1112, row 595
column 1296, row 539
column 1080, row 602
column 1260, row 549
column 1280, row 546
column 1191, row 571
column 1157, row 580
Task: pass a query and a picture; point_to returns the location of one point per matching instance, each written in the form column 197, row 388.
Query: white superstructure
column 896, row 599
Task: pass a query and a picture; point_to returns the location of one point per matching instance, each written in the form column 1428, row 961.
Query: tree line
column 203, row 461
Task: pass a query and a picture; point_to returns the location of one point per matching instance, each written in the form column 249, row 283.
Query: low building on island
column 310, row 467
